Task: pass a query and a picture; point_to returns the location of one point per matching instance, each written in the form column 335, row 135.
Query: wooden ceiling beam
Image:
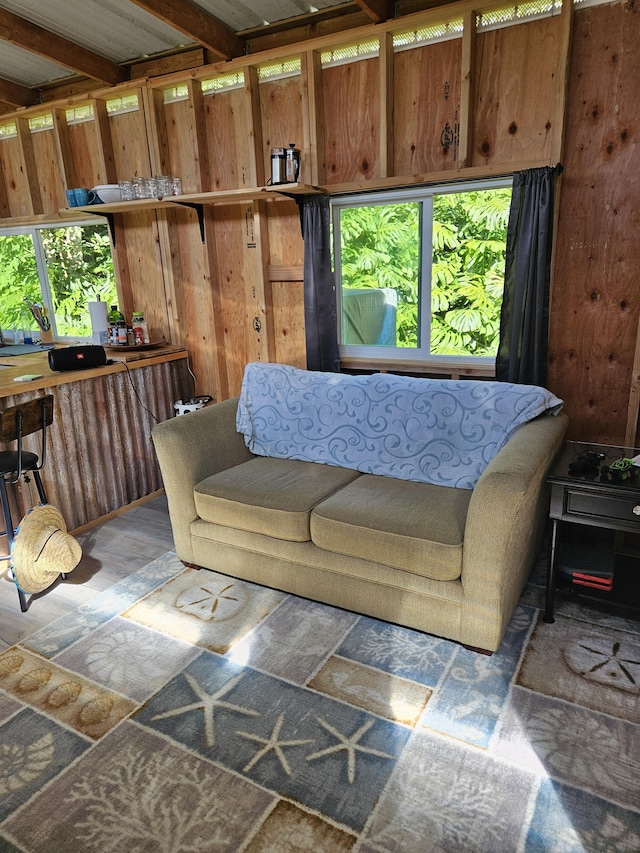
column 194, row 22
column 57, row 49
column 305, row 27
column 377, row 10
column 16, row 95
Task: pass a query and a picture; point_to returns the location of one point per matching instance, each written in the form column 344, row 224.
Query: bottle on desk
column 140, row 328
column 117, row 328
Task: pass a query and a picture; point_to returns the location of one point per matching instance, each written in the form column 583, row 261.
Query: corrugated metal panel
column 27, row 69
column 244, row 16
column 116, row 29
column 100, row 456
column 122, row 32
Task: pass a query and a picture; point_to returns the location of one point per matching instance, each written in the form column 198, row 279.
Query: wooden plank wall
column 596, row 293
column 427, row 124
column 233, row 293
column 514, row 66
column 480, row 104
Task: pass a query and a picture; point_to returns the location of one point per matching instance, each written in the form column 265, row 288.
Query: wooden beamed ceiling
column 191, row 20
column 44, row 43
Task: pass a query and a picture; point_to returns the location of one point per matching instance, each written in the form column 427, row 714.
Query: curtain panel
column 524, row 318
column 320, row 316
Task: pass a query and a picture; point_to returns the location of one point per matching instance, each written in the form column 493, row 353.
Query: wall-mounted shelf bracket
column 110, row 221
column 199, row 209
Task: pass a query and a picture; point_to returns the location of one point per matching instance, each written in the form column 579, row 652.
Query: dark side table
column 590, row 498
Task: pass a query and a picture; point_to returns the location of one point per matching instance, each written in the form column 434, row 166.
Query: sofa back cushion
column 436, row 431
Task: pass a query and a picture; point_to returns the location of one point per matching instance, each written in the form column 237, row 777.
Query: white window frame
column 420, row 355
column 41, row 264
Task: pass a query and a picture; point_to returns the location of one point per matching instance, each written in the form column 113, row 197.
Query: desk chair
column 15, row 423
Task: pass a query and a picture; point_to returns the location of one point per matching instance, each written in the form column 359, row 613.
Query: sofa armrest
column 189, row 448
column 505, row 524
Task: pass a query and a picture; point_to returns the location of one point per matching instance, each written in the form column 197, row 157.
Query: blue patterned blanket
column 427, row 430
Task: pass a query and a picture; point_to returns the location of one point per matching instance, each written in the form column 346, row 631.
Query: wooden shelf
column 249, row 194
column 219, row 197
column 196, row 201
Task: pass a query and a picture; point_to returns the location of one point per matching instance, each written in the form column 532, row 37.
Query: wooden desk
column 18, row 365
column 99, row 451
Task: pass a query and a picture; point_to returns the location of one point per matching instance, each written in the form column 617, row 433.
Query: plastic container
column 140, row 329
column 117, row 328
column 278, row 166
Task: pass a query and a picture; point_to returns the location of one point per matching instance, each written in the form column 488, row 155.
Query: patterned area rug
column 183, row 711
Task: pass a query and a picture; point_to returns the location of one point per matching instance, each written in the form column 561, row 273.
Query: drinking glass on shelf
column 164, row 185
column 126, row 190
column 176, row 186
column 137, row 186
column 149, row 188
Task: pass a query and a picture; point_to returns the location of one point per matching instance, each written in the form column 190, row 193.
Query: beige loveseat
column 447, row 561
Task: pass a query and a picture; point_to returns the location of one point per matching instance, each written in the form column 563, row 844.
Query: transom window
column 419, row 273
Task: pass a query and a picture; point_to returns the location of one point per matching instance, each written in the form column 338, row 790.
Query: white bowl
column 108, row 192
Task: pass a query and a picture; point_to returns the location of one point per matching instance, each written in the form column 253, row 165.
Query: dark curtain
column 524, row 319
column 319, row 285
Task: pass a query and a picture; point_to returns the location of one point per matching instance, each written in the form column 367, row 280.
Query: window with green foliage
column 419, row 273
column 62, row 268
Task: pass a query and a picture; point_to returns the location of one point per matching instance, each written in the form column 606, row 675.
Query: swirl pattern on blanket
column 438, row 431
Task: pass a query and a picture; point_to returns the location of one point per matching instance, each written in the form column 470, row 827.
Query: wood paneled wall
column 595, row 305
column 479, row 104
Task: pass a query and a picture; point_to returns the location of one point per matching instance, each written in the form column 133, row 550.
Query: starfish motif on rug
column 350, row 745
column 207, row 703
column 272, row 743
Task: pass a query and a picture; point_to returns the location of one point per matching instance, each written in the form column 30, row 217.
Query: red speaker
column 77, row 358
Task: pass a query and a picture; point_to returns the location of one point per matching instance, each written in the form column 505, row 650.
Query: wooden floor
column 110, row 551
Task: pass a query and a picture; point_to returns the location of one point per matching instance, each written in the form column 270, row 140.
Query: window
column 419, row 273
column 62, row 268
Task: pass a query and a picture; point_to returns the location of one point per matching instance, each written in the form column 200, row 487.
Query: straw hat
column 42, row 549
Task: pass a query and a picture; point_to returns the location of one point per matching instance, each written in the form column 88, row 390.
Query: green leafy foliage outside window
column 18, row 281
column 467, row 271
column 78, row 269
column 381, row 246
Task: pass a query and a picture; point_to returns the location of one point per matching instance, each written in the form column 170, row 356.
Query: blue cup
column 71, row 198
column 81, row 196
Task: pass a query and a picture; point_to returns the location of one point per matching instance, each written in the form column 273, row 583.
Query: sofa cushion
column 271, row 496
column 417, row 527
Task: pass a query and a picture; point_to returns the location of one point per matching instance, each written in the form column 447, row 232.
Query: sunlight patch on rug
column 66, row 630
column 454, row 796
column 593, row 751
column 470, row 700
column 294, row 640
column 592, row 666
column 206, row 609
column 129, row 658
